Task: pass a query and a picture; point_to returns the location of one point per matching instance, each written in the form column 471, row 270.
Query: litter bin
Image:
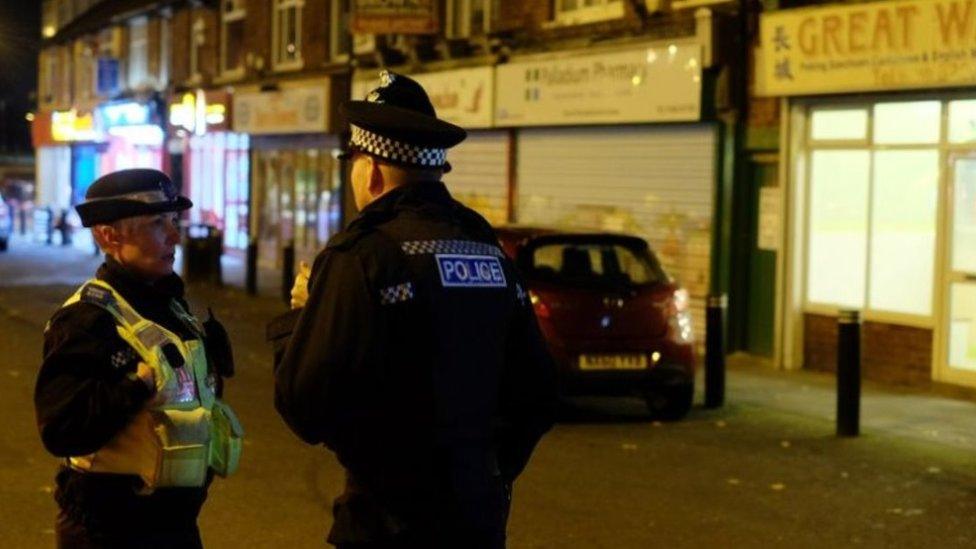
column 204, row 244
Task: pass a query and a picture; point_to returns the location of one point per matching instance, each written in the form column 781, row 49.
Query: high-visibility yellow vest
column 184, row 429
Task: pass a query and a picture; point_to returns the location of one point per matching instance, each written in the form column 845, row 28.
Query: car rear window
column 594, row 264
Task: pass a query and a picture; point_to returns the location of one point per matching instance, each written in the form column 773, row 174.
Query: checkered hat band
column 465, row 247
column 397, row 151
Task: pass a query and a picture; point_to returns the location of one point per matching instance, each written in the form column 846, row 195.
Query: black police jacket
column 83, row 397
column 418, row 360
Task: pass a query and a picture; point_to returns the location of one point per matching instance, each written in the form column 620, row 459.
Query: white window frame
column 137, row 58
column 278, row 41
column 198, row 38
column 604, row 10
column 339, row 40
column 808, row 145
column 458, row 19
column 165, row 48
column 227, row 16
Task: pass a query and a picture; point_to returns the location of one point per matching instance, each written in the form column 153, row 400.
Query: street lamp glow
column 29, row 117
column 48, row 31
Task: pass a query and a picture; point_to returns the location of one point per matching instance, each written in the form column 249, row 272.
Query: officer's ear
column 377, row 181
column 107, row 237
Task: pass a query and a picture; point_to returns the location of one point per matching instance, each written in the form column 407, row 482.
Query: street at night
column 765, row 470
column 487, row 274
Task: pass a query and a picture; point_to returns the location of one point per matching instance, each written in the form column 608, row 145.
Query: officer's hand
column 145, row 374
column 299, row 292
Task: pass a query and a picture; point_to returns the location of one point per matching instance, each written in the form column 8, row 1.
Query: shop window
column 873, row 206
column 232, row 15
column 839, row 124
column 962, row 121
column 838, row 223
column 339, row 30
column 578, row 12
column 138, row 58
column 467, row 18
column 904, row 199
column 286, row 35
column 907, row 123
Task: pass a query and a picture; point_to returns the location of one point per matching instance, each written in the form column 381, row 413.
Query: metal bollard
column 288, row 271
column 715, row 351
column 251, row 274
column 848, row 373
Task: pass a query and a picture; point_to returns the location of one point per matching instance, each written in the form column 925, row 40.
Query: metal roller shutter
column 479, row 174
column 654, row 181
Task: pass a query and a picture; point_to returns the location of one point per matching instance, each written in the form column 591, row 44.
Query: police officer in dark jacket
column 417, row 358
column 98, row 397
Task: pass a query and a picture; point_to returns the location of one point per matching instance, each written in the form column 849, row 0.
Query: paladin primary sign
column 868, row 47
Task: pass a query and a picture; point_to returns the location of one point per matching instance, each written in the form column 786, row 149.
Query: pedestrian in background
column 129, row 390
column 417, row 358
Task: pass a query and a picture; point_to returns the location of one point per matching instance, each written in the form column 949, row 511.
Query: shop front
column 614, row 141
column 214, row 163
column 480, row 174
column 133, row 133
column 67, row 146
column 295, row 172
column 879, row 180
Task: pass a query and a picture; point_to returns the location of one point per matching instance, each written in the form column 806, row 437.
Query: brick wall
column 889, row 353
column 257, row 36
column 210, row 49
column 179, row 66
column 315, row 33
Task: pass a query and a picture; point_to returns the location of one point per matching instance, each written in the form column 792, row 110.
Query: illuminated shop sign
column 71, row 126
column 194, row 114
column 130, row 113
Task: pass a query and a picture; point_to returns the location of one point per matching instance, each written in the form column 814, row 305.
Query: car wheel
column 671, row 403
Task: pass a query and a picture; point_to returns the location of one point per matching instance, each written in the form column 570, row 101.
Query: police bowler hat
column 130, row 193
column 398, row 123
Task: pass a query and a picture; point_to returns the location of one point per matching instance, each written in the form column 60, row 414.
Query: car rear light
column 680, row 329
column 680, row 300
column 541, row 309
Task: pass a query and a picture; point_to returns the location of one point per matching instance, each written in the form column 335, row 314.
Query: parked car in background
column 616, row 323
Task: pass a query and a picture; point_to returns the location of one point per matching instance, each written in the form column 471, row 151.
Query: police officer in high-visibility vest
column 129, row 390
column 414, row 352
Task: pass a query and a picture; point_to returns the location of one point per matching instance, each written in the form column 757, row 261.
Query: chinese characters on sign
column 867, row 47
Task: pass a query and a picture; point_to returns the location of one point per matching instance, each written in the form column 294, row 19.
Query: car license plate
column 613, row 362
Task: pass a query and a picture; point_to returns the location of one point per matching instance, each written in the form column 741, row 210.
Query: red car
column 614, row 321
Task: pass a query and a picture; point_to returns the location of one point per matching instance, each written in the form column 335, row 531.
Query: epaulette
column 97, row 295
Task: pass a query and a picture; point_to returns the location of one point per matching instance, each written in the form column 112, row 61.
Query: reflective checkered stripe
column 464, row 247
column 396, row 294
column 397, row 151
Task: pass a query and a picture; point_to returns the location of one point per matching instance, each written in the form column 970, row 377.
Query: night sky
column 20, row 30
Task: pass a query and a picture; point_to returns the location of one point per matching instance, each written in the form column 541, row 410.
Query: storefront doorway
column 958, row 349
